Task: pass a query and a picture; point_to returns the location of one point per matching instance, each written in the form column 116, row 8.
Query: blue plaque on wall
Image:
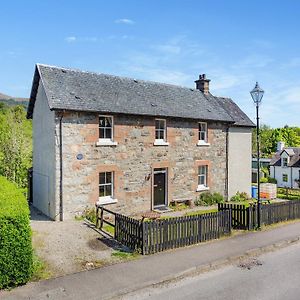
column 79, row 156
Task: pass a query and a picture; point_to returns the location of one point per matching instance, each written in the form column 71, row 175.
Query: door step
column 162, row 209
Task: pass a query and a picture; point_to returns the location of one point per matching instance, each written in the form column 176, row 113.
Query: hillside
column 11, row 101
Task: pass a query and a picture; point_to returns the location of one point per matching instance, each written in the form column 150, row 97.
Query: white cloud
column 70, row 39
column 125, row 21
column 73, row 39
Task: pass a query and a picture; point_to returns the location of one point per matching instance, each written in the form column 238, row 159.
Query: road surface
column 275, row 275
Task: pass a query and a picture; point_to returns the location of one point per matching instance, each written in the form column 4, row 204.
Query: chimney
column 202, row 84
column 280, row 146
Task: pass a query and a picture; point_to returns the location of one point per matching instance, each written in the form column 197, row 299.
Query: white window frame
column 163, row 141
column 104, row 200
column 285, row 162
column 287, row 177
column 107, row 184
column 203, row 186
column 106, row 141
column 203, row 142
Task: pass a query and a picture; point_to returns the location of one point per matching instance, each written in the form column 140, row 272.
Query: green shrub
column 263, row 180
column 208, row 198
column 272, row 180
column 15, row 236
column 90, row 214
column 240, row 197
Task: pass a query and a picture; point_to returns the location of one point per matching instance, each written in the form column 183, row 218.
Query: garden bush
column 272, row 180
column 208, row 198
column 15, row 236
column 263, row 180
column 240, row 197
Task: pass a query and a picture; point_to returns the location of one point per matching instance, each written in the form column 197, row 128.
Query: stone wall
column 134, row 158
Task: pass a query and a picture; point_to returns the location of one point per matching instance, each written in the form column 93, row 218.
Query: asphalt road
column 275, row 275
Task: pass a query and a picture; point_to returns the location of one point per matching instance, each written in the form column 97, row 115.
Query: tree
column 15, row 144
column 270, row 137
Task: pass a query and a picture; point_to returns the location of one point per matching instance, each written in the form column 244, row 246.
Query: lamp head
column 257, row 93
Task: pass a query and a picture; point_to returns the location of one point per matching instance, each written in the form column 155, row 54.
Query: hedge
column 15, row 236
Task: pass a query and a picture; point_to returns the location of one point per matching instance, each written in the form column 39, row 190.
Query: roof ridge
column 121, row 77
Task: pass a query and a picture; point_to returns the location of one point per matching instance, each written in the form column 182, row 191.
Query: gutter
column 227, row 171
column 61, row 217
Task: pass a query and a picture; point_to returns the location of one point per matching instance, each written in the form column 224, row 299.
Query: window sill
column 202, row 143
column 106, row 200
column 160, row 143
column 106, row 142
column 201, row 188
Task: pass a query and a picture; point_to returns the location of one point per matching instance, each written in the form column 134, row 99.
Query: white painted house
column 285, row 166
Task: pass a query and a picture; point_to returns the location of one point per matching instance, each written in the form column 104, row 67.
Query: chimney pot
column 202, row 84
column 280, row 146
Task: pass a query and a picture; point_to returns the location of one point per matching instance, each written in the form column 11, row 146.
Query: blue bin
column 254, row 191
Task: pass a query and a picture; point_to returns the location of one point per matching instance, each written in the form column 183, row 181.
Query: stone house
column 137, row 144
column 285, row 166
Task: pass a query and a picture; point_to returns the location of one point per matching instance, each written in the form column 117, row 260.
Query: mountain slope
column 11, row 101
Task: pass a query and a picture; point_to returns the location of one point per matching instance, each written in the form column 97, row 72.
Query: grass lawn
column 201, row 212
column 109, row 229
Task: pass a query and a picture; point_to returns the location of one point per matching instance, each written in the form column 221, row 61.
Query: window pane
column 108, row 177
column 101, row 191
column 102, row 178
column 202, row 170
column 161, row 135
column 156, row 134
column 108, row 133
column 202, row 136
column 201, row 180
column 101, row 121
column 108, row 122
column 156, row 124
column 108, row 190
column 101, row 133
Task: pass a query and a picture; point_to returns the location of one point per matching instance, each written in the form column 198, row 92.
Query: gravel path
column 70, row 246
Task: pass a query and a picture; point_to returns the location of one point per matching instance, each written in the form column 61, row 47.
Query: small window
column 284, row 162
column 202, row 176
column 106, row 186
column 160, row 130
column 106, row 127
column 284, row 177
column 203, row 132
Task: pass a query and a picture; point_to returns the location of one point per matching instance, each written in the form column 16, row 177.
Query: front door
column 159, row 188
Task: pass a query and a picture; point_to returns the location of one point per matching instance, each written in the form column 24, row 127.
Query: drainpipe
column 61, row 217
column 227, row 171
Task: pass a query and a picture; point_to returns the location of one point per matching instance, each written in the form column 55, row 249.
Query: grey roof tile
column 293, row 152
column 68, row 89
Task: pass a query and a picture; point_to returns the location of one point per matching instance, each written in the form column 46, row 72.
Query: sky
column 235, row 43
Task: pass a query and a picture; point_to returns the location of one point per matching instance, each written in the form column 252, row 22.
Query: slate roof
column 68, row 89
column 294, row 154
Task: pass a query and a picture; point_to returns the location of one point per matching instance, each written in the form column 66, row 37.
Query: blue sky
column 234, row 42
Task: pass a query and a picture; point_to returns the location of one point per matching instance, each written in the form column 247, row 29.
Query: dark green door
column 159, row 187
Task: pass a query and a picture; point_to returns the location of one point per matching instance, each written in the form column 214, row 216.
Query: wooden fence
column 129, row 232
column 242, row 217
column 279, row 212
column 245, row 218
column 178, row 232
column 159, row 235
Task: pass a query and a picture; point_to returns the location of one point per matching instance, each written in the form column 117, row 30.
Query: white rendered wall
column 292, row 173
column 239, row 160
column 43, row 155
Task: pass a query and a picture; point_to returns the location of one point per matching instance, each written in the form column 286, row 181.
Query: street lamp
column 257, row 93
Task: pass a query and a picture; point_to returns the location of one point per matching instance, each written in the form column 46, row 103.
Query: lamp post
column 257, row 93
